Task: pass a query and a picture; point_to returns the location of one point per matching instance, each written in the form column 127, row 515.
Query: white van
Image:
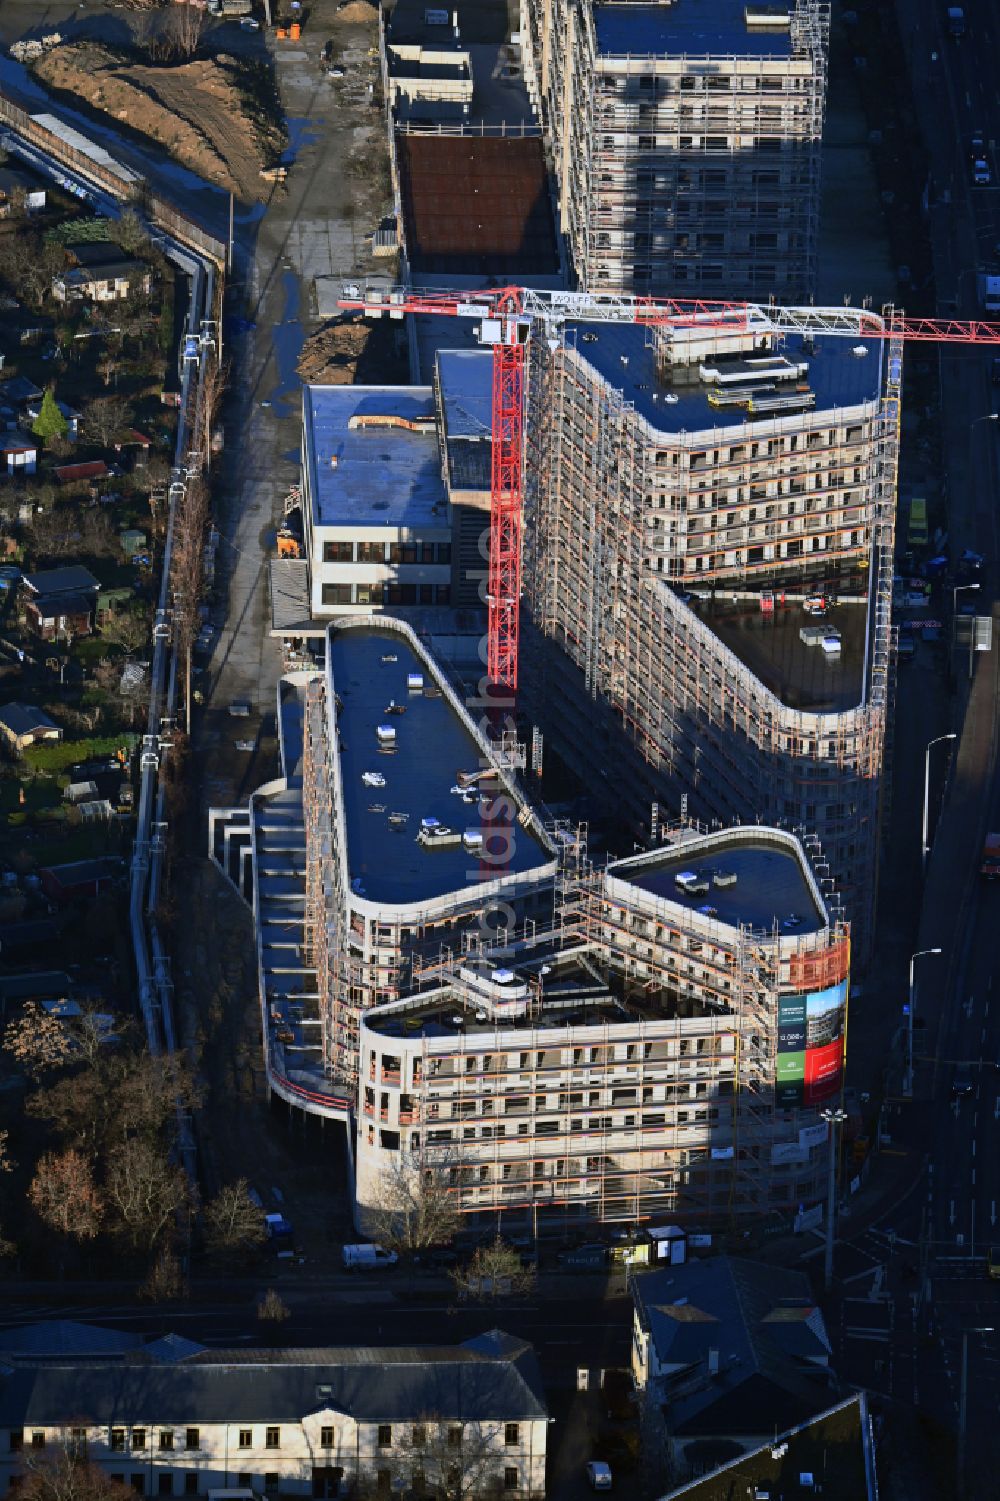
column 367, row 1258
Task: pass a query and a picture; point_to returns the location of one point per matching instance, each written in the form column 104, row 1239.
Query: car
column 240, row 708
column 961, row 1087
column 977, row 145
column 598, row 1475
column 248, row 23
column 981, row 175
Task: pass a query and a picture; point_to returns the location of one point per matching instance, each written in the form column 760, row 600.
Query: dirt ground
column 349, row 352
column 196, row 110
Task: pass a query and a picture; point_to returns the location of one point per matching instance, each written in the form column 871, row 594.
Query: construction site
column 429, row 952
column 684, row 140
column 708, row 578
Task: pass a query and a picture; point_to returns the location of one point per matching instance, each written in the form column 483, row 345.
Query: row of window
column 166, row 1439
column 418, row 1435
column 386, row 594
column 386, row 552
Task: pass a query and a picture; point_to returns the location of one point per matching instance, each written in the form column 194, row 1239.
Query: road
column 913, row 1283
column 572, row 1320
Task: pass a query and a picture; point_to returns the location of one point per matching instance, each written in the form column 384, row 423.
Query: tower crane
column 510, row 317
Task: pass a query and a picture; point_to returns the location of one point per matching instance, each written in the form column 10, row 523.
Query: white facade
column 395, row 1432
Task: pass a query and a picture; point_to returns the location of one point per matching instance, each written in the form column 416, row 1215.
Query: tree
column 50, row 422
column 184, row 29
column 145, row 1191
column 130, row 232
column 272, row 1309
column 7, row 1163
column 233, row 1222
column 495, row 1271
column 129, row 628
column 38, row 1041
column 65, row 1196
column 105, row 418
column 166, row 1280
column 413, row 1208
column 443, row 1456
column 62, row 1475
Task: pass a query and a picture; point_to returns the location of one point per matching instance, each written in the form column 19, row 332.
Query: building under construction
column 685, row 140
column 663, row 1051
column 708, row 578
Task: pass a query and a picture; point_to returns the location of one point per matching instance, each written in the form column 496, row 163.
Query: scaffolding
column 674, row 175
column 642, row 682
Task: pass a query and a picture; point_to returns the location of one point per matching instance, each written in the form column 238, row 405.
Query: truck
column 956, row 21
column 367, row 1258
column 990, row 866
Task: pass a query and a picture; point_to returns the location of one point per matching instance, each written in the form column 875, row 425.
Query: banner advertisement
column 810, row 1048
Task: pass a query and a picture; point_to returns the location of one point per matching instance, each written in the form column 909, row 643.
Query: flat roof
column 771, row 885
column 624, row 356
column 573, row 995
column 465, row 379
column 801, row 676
column 477, row 205
column 703, row 27
column 432, row 745
column 383, row 476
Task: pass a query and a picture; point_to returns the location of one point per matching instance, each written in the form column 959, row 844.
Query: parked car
column 599, row 1475
column 981, row 175
column 367, row 1258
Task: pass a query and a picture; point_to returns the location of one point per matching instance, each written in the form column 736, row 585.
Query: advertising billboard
column 810, row 1045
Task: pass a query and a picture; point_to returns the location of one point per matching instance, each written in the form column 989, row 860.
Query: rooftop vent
column 767, row 17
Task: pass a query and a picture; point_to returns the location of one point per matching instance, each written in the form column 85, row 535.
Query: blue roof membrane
column 432, row 746
column 703, row 28
column 770, row 886
column 383, row 476
column 465, row 378
column 623, row 355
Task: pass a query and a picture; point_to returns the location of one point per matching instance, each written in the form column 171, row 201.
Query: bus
column 917, row 532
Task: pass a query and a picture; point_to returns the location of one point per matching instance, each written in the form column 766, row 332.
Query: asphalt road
column 912, row 1288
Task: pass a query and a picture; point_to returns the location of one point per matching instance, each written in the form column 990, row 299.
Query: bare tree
column 105, row 419
column 184, row 30
column 413, row 1208
column 38, row 1041
column 495, row 1271
column 233, row 1222
column 187, row 573
column 438, row 1455
column 145, row 1191
column 61, row 1475
column 65, row 1196
column 272, row 1309
column 129, row 629
column 166, row 1279
column 7, row 1163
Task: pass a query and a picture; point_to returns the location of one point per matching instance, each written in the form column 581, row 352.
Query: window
column 15, row 1440
column 191, row 1483
column 272, row 1481
column 326, row 1438
column 510, row 1479
column 455, row 1438
column 165, row 1483
column 272, row 1438
column 385, row 1436
column 38, row 1440
column 166, row 1438
column 245, row 1482
column 338, row 552
column 246, row 1438
column 511, row 1433
column 371, row 552
column 192, row 1438
column 117, row 1440
column 78, row 1440
column 336, row 594
column 383, row 1482
column 419, row 1436
column 138, row 1484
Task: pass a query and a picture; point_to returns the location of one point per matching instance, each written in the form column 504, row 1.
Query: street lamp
column 833, row 1119
column 908, row 1086
column 924, row 843
column 956, row 591
column 963, row 1392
